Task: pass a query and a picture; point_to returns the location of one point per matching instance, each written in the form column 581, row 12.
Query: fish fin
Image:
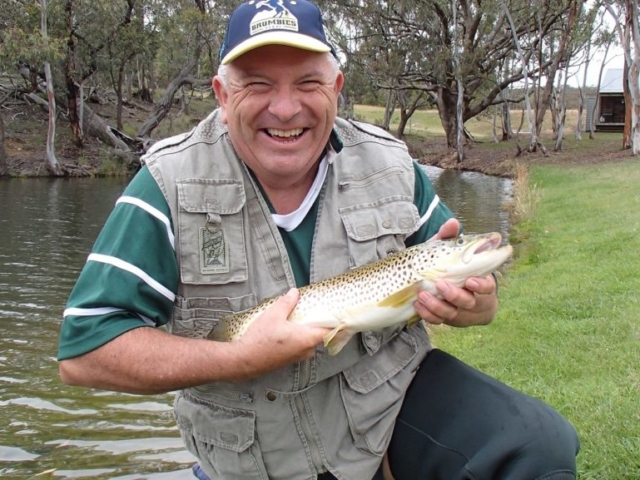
column 413, row 320
column 433, row 274
column 220, row 332
column 401, row 297
column 336, row 339
column 223, row 330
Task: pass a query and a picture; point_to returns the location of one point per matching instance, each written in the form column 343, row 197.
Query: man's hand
column 474, row 304
column 148, row 360
column 271, row 342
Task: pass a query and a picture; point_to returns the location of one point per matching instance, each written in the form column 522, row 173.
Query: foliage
column 395, row 54
column 20, row 38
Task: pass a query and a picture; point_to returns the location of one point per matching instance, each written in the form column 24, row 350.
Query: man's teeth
column 284, row 133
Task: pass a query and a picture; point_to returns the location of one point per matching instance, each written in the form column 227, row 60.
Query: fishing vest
column 324, row 414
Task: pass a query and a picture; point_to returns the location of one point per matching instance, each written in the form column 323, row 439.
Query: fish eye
column 460, row 241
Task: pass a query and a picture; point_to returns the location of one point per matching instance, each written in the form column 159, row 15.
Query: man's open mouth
column 284, row 134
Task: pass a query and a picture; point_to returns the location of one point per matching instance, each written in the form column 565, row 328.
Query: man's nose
column 285, row 103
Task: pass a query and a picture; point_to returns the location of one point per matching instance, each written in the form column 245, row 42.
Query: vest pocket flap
column 372, row 372
column 224, row 197
column 229, row 428
column 388, row 216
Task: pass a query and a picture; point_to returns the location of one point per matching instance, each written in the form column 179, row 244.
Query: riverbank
column 25, row 138
column 568, row 320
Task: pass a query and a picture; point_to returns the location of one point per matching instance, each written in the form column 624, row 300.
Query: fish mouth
column 486, row 243
column 493, row 242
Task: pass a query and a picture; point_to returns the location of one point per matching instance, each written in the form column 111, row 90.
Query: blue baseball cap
column 295, row 23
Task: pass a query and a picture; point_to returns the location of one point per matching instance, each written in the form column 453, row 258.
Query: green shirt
column 131, row 275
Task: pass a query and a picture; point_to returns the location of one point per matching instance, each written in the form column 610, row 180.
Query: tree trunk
column 628, row 104
column 52, row 161
column 595, row 104
column 119, row 83
column 402, row 124
column 561, row 113
column 98, row 128
column 164, row 104
column 389, row 107
column 561, row 53
column 73, row 88
column 507, row 129
column 459, row 84
column 583, row 90
column 3, row 152
column 447, row 105
column 623, row 29
column 535, row 142
column 634, row 71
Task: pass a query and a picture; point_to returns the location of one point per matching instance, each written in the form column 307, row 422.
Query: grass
column 568, row 329
column 427, row 122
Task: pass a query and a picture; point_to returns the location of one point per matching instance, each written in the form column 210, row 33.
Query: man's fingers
column 449, row 229
column 285, row 304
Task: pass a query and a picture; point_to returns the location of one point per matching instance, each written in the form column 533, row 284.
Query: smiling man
column 271, row 192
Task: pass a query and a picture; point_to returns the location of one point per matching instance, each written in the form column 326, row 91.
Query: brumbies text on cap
column 295, row 23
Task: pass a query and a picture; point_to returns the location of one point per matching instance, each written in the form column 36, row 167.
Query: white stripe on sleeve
column 151, row 211
column 432, row 207
column 121, row 264
column 90, row 312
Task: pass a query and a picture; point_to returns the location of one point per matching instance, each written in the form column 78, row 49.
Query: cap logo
column 275, row 17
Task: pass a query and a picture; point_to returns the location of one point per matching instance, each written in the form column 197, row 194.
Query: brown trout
column 380, row 294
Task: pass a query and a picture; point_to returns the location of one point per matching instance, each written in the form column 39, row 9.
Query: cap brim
column 289, row 39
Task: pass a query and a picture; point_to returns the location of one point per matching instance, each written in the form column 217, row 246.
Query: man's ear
column 339, row 83
column 221, row 95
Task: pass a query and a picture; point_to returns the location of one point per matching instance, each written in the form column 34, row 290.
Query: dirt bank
column 26, row 133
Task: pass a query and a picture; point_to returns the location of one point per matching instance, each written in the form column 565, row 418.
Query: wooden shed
column 610, row 107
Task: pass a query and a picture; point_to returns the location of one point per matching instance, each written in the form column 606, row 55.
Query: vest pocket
column 222, row 438
column 211, row 231
column 373, row 389
column 377, row 229
column 195, row 317
column 374, row 231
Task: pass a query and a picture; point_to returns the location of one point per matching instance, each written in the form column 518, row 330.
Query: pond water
column 47, row 227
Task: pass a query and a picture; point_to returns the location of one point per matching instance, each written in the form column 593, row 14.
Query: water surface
column 47, row 227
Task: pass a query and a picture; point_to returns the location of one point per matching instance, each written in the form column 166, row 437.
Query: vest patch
column 214, row 250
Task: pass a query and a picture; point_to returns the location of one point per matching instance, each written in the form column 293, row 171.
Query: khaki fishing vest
column 324, row 414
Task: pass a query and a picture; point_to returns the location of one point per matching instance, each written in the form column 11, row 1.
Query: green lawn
column 568, row 329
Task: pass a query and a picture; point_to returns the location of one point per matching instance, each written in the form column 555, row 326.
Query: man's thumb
column 287, row 302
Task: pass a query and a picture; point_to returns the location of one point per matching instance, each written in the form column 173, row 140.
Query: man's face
column 279, row 106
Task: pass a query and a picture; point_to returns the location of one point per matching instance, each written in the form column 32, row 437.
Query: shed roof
column 612, row 82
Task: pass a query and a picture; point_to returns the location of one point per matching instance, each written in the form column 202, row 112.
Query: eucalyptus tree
column 27, row 47
column 627, row 24
column 594, row 23
column 50, row 155
column 419, row 36
column 191, row 32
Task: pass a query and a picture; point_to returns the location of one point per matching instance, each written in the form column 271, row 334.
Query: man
column 270, row 192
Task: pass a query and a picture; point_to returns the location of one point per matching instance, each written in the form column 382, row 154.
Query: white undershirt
column 290, row 221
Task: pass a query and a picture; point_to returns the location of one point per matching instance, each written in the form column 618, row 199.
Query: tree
column 523, row 60
column 605, row 39
column 405, row 31
column 589, row 42
column 628, row 29
column 3, row 152
column 560, row 57
column 52, row 161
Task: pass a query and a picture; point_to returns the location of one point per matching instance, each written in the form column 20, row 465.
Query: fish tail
column 336, row 339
